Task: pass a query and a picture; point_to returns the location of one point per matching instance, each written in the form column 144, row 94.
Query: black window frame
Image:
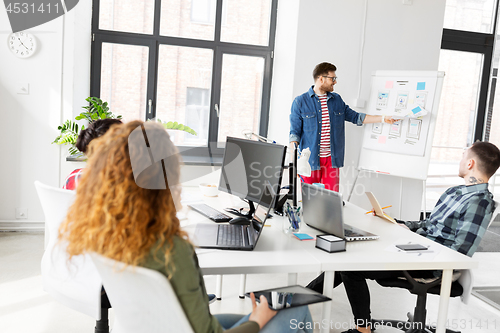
column 482, row 43
column 211, row 154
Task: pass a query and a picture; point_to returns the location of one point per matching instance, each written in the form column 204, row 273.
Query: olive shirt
column 188, row 284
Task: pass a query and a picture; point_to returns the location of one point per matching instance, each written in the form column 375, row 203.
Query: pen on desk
column 371, row 211
column 297, row 218
column 291, row 215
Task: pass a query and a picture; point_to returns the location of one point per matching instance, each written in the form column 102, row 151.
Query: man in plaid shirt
column 458, row 221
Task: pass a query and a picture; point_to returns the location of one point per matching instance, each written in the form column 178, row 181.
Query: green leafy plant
column 97, row 109
column 176, row 126
column 69, row 134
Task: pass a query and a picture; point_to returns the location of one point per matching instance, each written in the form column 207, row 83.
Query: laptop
column 323, row 210
column 378, row 209
column 236, row 237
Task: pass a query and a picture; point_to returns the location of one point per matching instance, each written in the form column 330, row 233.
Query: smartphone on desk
column 412, row 247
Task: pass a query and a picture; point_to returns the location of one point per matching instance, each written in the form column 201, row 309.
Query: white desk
column 277, row 252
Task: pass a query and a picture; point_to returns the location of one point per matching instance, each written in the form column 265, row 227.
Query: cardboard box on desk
column 330, row 243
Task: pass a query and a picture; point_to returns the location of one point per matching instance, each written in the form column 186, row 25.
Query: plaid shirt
column 459, row 219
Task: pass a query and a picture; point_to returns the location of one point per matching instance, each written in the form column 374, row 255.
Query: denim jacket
column 305, row 125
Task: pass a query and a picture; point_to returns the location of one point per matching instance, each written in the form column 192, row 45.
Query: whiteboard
column 404, row 148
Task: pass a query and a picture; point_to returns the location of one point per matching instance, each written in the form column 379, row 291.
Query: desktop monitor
column 292, row 185
column 247, row 165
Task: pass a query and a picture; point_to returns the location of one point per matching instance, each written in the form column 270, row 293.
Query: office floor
column 25, row 307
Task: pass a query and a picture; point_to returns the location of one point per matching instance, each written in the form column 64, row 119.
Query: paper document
column 416, row 112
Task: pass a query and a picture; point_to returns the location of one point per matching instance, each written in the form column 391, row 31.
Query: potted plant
column 97, row 109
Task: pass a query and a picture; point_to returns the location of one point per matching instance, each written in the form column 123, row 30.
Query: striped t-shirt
column 324, row 144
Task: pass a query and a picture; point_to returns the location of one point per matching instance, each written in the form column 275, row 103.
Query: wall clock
column 22, row 44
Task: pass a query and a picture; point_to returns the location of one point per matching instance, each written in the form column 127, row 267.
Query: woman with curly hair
column 125, row 209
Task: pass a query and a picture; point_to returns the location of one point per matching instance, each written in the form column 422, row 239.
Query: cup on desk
column 292, row 223
column 209, row 190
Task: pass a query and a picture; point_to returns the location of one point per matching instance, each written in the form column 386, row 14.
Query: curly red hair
column 114, row 216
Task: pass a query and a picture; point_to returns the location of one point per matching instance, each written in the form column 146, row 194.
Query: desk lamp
column 303, row 166
column 248, row 135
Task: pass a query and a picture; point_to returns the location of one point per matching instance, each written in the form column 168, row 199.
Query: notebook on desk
column 378, row 209
column 323, row 210
column 236, row 237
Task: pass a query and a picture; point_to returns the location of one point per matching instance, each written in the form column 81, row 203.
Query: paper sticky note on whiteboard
column 382, row 139
column 389, row 84
column 416, row 110
column 421, row 86
column 414, row 128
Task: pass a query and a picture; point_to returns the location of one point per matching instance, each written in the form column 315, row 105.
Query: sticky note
column 303, row 236
column 421, row 86
column 416, row 110
column 389, row 84
column 382, row 139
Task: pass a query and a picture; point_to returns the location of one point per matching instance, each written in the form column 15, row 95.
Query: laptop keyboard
column 229, row 234
column 210, row 212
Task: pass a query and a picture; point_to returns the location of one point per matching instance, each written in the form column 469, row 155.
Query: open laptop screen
column 262, row 212
column 323, row 209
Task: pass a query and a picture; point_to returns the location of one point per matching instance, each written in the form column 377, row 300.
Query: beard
column 328, row 87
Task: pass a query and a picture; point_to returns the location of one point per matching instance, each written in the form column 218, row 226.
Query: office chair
column 143, row 299
column 416, row 321
column 75, row 283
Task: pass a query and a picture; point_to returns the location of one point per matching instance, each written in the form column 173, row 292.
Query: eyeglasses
column 334, row 78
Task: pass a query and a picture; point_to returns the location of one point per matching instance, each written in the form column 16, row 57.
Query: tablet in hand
column 289, row 297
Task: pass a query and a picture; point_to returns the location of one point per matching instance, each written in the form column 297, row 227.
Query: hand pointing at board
column 379, row 119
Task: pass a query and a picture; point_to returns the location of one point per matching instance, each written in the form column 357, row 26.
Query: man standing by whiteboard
column 317, row 122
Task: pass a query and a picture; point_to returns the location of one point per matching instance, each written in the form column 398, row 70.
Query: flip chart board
column 404, row 148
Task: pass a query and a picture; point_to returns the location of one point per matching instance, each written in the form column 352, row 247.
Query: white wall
column 398, row 37
column 58, row 78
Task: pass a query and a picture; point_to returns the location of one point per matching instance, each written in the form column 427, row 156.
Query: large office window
column 204, row 63
column 467, row 108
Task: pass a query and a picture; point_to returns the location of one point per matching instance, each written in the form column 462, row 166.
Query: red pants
column 326, row 175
